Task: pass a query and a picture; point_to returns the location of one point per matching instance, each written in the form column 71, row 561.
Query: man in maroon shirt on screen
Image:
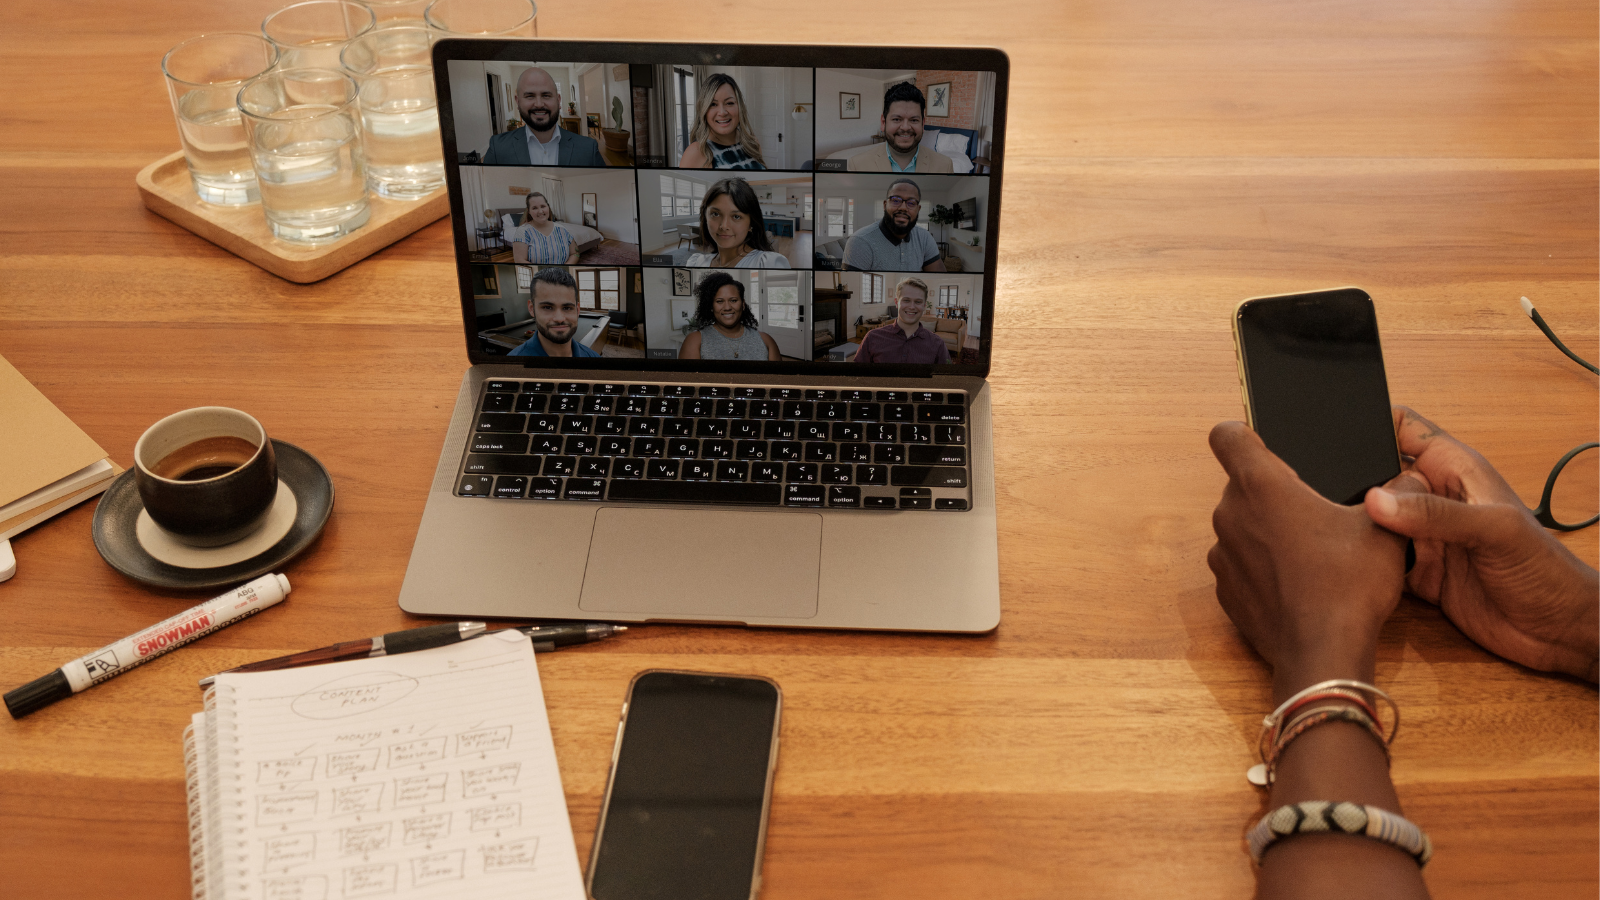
column 905, row 340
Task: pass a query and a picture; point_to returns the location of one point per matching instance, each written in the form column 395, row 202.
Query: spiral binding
column 197, row 837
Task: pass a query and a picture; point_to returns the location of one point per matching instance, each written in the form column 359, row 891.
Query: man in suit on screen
column 540, row 140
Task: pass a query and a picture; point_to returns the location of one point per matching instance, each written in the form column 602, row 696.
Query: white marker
column 170, row 634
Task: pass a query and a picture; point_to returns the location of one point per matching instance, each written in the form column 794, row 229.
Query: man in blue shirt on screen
column 554, row 305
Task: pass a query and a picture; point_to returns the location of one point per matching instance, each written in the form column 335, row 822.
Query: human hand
column 1498, row 575
column 1308, row 582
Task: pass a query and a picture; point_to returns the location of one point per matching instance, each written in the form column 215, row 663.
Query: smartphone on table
column 685, row 812
column 1311, row 369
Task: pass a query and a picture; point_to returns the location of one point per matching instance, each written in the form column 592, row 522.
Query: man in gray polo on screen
column 894, row 243
column 540, row 140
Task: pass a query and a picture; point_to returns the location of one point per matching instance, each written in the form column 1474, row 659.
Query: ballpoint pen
column 545, row 638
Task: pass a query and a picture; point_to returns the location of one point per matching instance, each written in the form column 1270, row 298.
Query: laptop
column 729, row 313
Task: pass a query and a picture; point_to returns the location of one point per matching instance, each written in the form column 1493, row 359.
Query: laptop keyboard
column 719, row 444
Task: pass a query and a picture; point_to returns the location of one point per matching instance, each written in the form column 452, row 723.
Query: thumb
column 1431, row 517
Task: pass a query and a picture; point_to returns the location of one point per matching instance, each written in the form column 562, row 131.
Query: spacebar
column 695, row 492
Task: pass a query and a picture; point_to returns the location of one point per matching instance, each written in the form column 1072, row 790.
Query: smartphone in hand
column 1311, row 369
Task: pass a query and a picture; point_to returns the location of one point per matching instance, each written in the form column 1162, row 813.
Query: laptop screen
column 817, row 210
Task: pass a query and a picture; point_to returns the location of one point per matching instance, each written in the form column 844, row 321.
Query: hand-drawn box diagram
column 364, row 838
column 353, row 762
column 285, row 851
column 484, row 741
column 306, row 887
column 358, row 798
column 489, row 779
column 368, row 881
column 510, row 856
column 422, row 829
column 504, row 815
column 413, row 752
column 286, row 770
column 438, row 867
column 419, row 790
column 279, row 809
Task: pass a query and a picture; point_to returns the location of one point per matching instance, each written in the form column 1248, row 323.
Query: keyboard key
column 871, row 474
column 786, row 393
column 610, row 424
column 798, row 409
column 646, row 427
column 888, row 453
column 733, row 471
column 800, row 473
column 649, row 447
column 544, row 488
column 572, row 387
column 627, row 468
column 711, row 428
column 744, row 430
column 779, row 431
column 699, row 408
column 855, row 453
column 891, row 396
column 634, row 406
column 846, row 431
column 856, row 395
column 927, row 397
column 611, row 390
column 877, row 503
column 729, row 409
column 844, row 497
column 899, row 412
column 662, row 468
column 718, row 392
column 916, row 503
column 812, row 431
column 598, row 405
column 750, row 450
column 818, row 394
column 581, row 445
column 833, row 412
column 916, row 492
column 580, row 424
column 566, row 403
column 916, row 434
column 677, row 390
column 834, row 473
column 531, row 403
column 766, row 409
column 933, row 476
column 544, row 423
column 821, row 451
column 511, row 487
column 713, row 448
column 865, row 412
column 537, row 387
column 475, row 486
column 942, row 414
column 501, row 423
column 498, row 402
column 950, row 503
column 699, row 470
column 749, row 393
column 509, row 387
column 613, row 446
column 938, row 456
column 645, row 390
column 677, row 427
column 546, row 445
column 949, row 434
column 501, row 464
column 559, row 465
column 586, row 489
column 766, row 471
column 788, row 450
column 881, row 433
column 803, row 495
column 683, row 448
column 726, row 492
column 493, row 443
column 664, row 406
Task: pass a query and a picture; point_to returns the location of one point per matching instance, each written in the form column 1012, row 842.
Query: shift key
column 928, row 476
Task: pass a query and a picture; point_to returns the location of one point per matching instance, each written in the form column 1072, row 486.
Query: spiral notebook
column 422, row 775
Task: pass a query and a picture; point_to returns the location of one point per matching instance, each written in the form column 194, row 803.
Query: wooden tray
column 242, row 230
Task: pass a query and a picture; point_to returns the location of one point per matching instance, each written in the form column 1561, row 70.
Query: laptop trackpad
column 730, row 564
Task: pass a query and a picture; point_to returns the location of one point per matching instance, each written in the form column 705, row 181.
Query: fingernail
column 1384, row 502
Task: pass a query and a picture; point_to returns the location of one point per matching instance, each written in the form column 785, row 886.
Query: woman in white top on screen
column 727, row 327
column 733, row 234
column 721, row 137
column 539, row 241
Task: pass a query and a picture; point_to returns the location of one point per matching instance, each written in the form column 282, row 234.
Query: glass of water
column 304, row 133
column 399, row 116
column 399, row 13
column 484, row 18
column 311, row 34
column 204, row 75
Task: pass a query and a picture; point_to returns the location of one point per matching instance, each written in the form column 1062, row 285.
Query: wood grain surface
column 1168, row 158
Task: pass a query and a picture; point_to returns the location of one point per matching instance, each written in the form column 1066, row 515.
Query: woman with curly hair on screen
column 727, row 327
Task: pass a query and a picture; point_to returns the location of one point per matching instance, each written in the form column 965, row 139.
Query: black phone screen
column 1318, row 396
column 688, row 793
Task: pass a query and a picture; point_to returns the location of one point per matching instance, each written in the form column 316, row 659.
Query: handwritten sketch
column 939, row 100
column 414, row 752
column 510, row 855
column 360, row 839
column 438, row 867
column 352, row 763
column 419, row 790
column 358, row 798
column 424, row 829
column 280, row 809
column 286, row 770
column 353, row 695
column 285, row 851
column 487, row 780
column 483, row 741
column 307, row 887
column 493, row 818
column 370, row 880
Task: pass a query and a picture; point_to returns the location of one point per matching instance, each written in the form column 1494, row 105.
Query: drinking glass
column 484, row 18
column 203, row 76
column 399, row 116
column 311, row 34
column 304, row 134
column 399, row 13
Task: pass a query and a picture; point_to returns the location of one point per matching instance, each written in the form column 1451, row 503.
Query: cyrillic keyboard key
column 586, row 489
column 950, row 434
column 711, row 428
column 662, row 468
column 593, row 467
column 610, row 424
column 932, row 476
column 844, row 497
column 733, row 471
column 566, row 403
column 544, row 423
column 833, row 473
column 613, row 446
column 581, row 445
column 577, row 424
column 559, row 465
column 881, row 433
column 627, row 468
column 891, row 454
column 821, row 451
column 501, row 423
column 545, row 445
column 496, row 443
column 916, row 434
column 800, row 473
column 677, row 427
column 699, row 407
column 665, row 406
column 923, row 455
column 649, row 447
column 779, row 431
column 598, row 405
column 502, row 464
column 766, row 471
column 855, row 453
column 744, row 430
column 728, row 492
column 812, row 431
column 788, row 450
column 633, row 406
column 729, row 409
column 699, row 470
column 645, row 427
column 846, row 431
column 766, row 409
column 683, row 448
column 712, row 448
column 751, row 450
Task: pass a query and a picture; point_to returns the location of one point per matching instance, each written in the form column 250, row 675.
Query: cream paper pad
column 157, row 542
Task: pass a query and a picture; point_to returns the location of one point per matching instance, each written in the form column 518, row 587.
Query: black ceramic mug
column 207, row 475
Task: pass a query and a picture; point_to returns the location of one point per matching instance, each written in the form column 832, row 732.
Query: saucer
column 116, row 522
column 164, row 546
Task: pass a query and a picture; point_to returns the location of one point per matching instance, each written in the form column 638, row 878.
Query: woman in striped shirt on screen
column 539, row 241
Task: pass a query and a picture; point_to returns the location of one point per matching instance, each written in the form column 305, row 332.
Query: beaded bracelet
column 1321, row 816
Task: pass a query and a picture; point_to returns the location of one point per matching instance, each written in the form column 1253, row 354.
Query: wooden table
column 1168, row 159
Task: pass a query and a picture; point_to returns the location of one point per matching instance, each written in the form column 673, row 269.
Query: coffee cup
column 207, row 475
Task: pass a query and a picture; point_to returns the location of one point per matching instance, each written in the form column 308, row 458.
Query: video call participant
column 894, row 243
column 727, row 326
column 733, row 234
column 540, row 140
column 539, row 241
column 905, row 340
column 721, row 137
column 904, row 109
column 554, row 305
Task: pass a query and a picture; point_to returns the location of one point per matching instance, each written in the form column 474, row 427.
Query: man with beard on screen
column 540, row 141
column 894, row 243
column 904, row 110
column 554, row 305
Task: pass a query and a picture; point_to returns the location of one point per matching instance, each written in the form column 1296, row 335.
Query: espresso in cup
column 207, row 475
